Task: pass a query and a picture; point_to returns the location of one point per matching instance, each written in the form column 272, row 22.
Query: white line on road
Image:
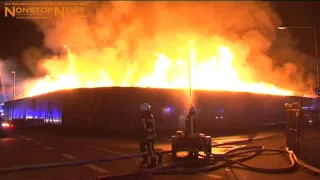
column 28, row 139
column 96, row 168
column 37, row 142
column 107, row 150
column 50, row 148
column 91, row 166
column 113, row 152
column 67, row 156
column 214, row 176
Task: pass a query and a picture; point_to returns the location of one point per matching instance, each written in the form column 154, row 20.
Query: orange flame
column 218, row 72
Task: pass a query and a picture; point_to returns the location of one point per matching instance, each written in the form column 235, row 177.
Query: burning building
column 123, row 54
column 117, row 108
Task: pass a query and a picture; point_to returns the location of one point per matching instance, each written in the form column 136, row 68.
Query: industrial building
column 117, row 108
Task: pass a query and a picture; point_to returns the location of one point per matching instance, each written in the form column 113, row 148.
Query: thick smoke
column 33, row 58
column 123, row 37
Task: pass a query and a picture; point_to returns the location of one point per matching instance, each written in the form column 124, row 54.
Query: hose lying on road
column 247, row 140
column 80, row 162
column 107, row 159
column 220, row 161
column 231, row 158
column 305, row 165
column 234, row 157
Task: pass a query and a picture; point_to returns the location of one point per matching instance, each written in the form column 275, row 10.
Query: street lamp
column 282, row 27
column 2, row 89
column 14, row 84
column 14, row 93
column 315, row 43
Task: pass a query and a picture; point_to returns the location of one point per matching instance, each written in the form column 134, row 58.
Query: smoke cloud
column 33, row 58
column 123, row 37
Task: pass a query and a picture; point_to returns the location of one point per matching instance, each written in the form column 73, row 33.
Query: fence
column 303, row 131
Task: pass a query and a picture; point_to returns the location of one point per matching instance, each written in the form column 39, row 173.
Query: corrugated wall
column 45, row 107
column 118, row 108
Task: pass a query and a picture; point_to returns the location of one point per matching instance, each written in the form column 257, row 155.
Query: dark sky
column 17, row 35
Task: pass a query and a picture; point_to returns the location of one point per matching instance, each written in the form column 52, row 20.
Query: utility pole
column 13, row 93
column 2, row 89
column 14, row 85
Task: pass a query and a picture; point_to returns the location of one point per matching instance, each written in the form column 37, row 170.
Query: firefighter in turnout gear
column 148, row 135
column 192, row 128
column 192, row 123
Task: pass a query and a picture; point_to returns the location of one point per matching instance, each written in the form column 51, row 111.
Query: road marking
column 50, row 148
column 108, row 150
column 214, row 176
column 136, row 159
column 37, row 142
column 91, row 166
column 96, row 168
column 67, row 156
column 28, row 139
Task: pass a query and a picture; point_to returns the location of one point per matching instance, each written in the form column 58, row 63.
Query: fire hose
column 233, row 157
column 213, row 164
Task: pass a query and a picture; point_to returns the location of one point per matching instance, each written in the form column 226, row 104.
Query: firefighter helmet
column 192, row 110
column 145, row 107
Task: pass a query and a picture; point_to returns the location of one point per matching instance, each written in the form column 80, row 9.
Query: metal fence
column 303, row 131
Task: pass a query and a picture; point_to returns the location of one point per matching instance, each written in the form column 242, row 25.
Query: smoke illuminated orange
column 218, row 70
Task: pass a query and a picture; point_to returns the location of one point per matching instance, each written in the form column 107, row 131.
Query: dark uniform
column 192, row 122
column 192, row 128
column 148, row 134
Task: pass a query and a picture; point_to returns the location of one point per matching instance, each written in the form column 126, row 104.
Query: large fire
column 219, row 71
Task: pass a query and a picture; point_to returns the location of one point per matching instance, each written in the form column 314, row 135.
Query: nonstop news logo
column 45, row 10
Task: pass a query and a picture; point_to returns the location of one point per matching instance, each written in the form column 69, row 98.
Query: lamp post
column 2, row 89
column 13, row 93
column 315, row 43
column 14, row 85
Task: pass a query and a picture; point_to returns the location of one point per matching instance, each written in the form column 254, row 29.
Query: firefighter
column 148, row 135
column 192, row 122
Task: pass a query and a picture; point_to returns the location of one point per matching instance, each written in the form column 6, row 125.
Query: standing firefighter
column 148, row 136
column 192, row 122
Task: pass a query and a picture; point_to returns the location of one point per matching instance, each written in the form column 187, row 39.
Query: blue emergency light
column 167, row 110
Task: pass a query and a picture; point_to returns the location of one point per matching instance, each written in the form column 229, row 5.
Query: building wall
column 117, row 109
column 45, row 108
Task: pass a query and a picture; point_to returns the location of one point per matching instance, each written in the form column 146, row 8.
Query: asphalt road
column 36, row 148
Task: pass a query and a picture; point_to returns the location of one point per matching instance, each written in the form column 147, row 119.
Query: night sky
column 18, row 35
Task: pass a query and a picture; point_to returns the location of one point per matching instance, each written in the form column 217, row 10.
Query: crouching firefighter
column 192, row 123
column 148, row 135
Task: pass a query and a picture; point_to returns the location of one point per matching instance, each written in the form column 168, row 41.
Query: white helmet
column 145, row 107
column 192, row 110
